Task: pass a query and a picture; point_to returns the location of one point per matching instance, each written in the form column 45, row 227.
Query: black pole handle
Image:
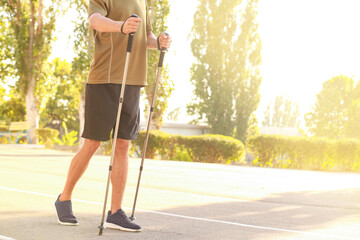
column 162, row 54
column 131, row 37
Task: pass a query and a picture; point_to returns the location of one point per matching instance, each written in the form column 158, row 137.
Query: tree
column 353, row 127
column 6, row 43
column 174, row 115
column 12, row 108
column 253, row 129
column 63, row 98
column 282, row 113
column 249, row 77
column 330, row 115
column 226, row 74
column 84, row 48
column 158, row 12
column 31, row 26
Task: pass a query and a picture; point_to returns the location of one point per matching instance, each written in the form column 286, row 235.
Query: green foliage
column 253, row 129
column 352, row 126
column 159, row 142
column 174, row 114
column 205, row 148
column 282, row 113
column 305, row 153
column 182, row 155
column 6, row 43
column 213, row 148
column 4, row 140
column 83, row 45
column 226, row 74
column 336, row 112
column 47, row 136
column 69, row 138
column 158, row 12
column 84, row 49
column 13, row 109
column 62, row 97
column 30, row 26
column 107, row 148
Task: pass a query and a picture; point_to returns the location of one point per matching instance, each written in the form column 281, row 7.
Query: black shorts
column 101, row 106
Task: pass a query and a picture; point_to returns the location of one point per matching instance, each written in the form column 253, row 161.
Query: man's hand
column 165, row 41
column 131, row 25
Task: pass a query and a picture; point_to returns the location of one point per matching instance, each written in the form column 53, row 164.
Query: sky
column 304, row 43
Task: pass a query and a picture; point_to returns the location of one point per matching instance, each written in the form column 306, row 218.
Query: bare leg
column 78, row 166
column 119, row 174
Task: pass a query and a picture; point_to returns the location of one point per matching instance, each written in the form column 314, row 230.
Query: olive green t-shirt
column 108, row 63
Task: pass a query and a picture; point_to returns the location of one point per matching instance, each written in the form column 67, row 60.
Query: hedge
column 205, row 148
column 47, row 136
column 305, row 153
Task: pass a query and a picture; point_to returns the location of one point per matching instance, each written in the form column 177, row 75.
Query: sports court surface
column 178, row 200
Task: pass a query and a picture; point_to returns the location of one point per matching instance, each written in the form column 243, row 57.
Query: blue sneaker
column 64, row 213
column 120, row 221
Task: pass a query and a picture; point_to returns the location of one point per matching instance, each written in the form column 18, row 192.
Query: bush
column 106, row 148
column 213, row 148
column 205, row 148
column 160, row 143
column 305, row 153
column 69, row 138
column 47, row 136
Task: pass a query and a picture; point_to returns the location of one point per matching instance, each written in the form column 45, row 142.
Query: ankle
column 112, row 211
column 64, row 198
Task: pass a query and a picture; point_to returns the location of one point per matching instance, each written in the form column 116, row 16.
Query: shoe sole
column 114, row 226
column 63, row 223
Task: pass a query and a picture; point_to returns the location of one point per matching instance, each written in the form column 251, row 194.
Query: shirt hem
column 135, row 83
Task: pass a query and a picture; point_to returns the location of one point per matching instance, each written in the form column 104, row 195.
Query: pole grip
column 161, row 59
column 130, row 42
column 162, row 54
column 131, row 36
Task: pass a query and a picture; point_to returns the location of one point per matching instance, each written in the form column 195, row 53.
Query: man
column 111, row 25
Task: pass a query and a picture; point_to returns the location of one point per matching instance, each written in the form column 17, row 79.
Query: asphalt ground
column 178, row 200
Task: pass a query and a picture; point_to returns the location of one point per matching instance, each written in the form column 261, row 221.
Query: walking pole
column 129, row 49
column 161, row 60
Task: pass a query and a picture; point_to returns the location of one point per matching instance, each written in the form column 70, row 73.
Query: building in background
column 283, row 131
column 179, row 128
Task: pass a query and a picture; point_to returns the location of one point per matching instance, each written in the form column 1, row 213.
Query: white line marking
column 5, row 238
column 192, row 218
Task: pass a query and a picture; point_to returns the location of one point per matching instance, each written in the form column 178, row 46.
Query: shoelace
column 122, row 213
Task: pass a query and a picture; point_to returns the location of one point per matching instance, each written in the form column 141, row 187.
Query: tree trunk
column 31, row 109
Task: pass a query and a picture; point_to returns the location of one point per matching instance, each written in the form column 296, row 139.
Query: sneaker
column 120, row 221
column 64, row 213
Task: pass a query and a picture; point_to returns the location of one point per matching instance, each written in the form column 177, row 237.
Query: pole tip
column 102, row 228
column 132, row 218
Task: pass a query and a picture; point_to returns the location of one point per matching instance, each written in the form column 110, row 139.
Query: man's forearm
column 104, row 24
column 151, row 40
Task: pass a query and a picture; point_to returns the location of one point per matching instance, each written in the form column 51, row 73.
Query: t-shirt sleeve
column 98, row 6
column 148, row 22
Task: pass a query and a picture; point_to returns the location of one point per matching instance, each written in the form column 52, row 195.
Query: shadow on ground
column 301, row 211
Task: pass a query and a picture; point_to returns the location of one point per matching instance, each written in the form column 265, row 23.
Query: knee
column 91, row 145
column 122, row 144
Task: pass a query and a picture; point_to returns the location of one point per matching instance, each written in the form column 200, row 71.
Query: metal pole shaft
column 146, row 138
column 121, row 99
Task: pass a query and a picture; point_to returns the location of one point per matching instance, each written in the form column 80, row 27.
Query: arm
column 151, row 40
column 104, row 24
